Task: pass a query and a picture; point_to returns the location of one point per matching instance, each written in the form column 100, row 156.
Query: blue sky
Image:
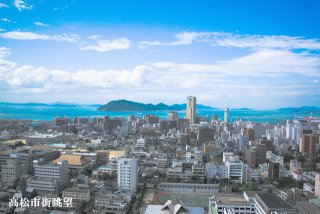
column 257, row 54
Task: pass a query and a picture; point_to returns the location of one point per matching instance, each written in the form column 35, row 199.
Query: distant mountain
column 243, row 109
column 303, row 108
column 126, row 105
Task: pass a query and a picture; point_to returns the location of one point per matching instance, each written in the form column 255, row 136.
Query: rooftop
column 273, row 201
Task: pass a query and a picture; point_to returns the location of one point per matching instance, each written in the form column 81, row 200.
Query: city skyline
column 252, row 55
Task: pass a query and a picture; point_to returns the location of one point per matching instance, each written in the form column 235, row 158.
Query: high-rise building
column 274, row 170
column 127, row 174
column 11, row 172
column 226, row 115
column 191, row 109
column 172, row 115
column 317, row 185
column 308, row 142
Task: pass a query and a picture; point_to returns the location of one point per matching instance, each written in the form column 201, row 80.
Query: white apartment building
column 49, row 177
column 235, row 168
column 127, row 174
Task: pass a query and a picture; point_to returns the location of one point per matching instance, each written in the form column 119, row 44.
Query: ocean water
column 49, row 112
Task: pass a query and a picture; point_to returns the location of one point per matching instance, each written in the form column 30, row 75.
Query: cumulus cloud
column 17, row 35
column 108, row 45
column 21, row 5
column 41, row 24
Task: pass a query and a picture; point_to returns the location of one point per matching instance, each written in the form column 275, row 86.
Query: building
column 308, row 142
column 317, row 185
column 112, row 203
column 172, row 115
column 127, row 174
column 188, row 187
column 255, row 155
column 266, row 203
column 78, row 163
column 235, row 168
column 11, row 172
column 78, row 192
column 191, row 109
column 225, row 203
column 173, row 207
column 44, row 139
column 49, row 178
column 226, row 115
column 273, row 170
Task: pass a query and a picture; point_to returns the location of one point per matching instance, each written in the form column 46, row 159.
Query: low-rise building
column 78, row 192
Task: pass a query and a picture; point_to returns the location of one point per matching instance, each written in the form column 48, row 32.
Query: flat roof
column 230, row 199
column 273, row 201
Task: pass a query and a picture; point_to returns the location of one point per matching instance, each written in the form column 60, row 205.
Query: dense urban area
column 153, row 165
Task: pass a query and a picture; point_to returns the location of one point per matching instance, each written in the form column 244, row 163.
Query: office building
column 172, row 115
column 274, row 170
column 11, row 172
column 79, row 192
column 127, row 174
column 317, row 185
column 191, row 109
column 226, row 115
column 308, row 142
column 49, row 178
column 235, row 169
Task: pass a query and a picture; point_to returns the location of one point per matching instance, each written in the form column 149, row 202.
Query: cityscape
column 171, row 107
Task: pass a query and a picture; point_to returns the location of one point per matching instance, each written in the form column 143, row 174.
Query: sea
column 44, row 112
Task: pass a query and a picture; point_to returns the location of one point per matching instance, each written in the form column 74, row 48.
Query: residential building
column 127, row 174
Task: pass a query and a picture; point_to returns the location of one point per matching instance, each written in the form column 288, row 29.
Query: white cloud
column 109, row 45
column 6, row 20
column 72, row 38
column 2, row 29
column 239, row 41
column 2, row 5
column 21, row 5
column 94, row 37
column 4, row 52
column 41, row 24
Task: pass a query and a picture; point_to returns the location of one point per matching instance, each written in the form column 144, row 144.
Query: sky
column 237, row 53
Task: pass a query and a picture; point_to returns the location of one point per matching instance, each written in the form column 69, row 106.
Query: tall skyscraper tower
column 127, row 174
column 191, row 109
column 226, row 115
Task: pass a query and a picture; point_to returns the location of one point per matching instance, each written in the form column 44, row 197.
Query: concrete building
column 226, row 115
column 317, row 185
column 80, row 192
column 273, row 170
column 112, row 203
column 172, row 207
column 44, row 139
column 308, row 142
column 11, row 172
column 191, row 109
column 266, row 203
column 188, row 187
column 235, row 168
column 172, row 115
column 127, row 174
column 49, row 178
column 225, row 203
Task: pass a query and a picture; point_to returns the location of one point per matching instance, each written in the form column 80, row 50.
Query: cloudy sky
column 226, row 53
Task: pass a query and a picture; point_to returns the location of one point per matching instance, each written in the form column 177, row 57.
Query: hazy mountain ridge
column 126, row 105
